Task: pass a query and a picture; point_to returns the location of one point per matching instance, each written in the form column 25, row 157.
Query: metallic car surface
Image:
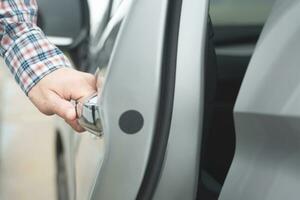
column 129, row 54
column 89, row 145
column 188, row 69
column 131, row 83
column 68, row 140
column 179, row 176
column 118, row 179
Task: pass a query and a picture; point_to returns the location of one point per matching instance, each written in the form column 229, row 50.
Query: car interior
column 229, row 47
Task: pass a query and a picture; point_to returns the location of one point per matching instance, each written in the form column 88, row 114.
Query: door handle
column 88, row 115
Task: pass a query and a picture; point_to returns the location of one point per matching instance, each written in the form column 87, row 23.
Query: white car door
column 151, row 59
column 266, row 162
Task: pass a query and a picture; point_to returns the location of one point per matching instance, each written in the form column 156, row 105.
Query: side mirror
column 65, row 22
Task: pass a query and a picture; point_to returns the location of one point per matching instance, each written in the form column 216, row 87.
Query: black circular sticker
column 131, row 122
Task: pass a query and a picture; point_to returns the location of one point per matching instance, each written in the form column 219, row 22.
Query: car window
column 105, row 39
column 56, row 18
column 98, row 10
column 240, row 12
column 115, row 5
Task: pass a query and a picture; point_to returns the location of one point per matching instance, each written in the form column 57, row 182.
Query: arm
column 34, row 62
column 25, row 49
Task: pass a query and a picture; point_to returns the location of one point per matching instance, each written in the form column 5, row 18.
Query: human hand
column 52, row 94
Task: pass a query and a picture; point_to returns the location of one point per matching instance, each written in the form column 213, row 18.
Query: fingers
column 51, row 103
column 63, row 108
column 85, row 89
column 75, row 125
column 52, row 94
column 84, row 95
column 91, row 79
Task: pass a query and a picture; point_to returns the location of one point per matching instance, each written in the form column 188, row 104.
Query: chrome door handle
column 88, row 114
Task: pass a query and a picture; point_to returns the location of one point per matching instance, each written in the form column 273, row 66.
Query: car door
column 151, row 60
column 88, row 151
column 266, row 161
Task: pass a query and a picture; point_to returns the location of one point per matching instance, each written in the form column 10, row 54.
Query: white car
column 189, row 109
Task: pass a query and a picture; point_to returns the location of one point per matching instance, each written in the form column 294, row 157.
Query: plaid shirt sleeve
column 25, row 49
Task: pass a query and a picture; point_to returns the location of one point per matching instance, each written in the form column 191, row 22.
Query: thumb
column 63, row 108
column 66, row 110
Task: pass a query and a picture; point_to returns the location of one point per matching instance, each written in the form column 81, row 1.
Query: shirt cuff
column 31, row 57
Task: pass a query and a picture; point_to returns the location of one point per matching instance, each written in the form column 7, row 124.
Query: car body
column 189, row 110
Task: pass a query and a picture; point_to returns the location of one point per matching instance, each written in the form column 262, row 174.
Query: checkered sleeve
column 27, row 52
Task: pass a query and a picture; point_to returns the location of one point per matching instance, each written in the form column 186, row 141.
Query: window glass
column 56, row 16
column 115, row 5
column 98, row 11
column 240, row 12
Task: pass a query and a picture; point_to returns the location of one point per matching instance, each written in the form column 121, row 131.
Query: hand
column 52, row 94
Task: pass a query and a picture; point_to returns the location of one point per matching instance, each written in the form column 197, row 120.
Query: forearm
column 24, row 47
